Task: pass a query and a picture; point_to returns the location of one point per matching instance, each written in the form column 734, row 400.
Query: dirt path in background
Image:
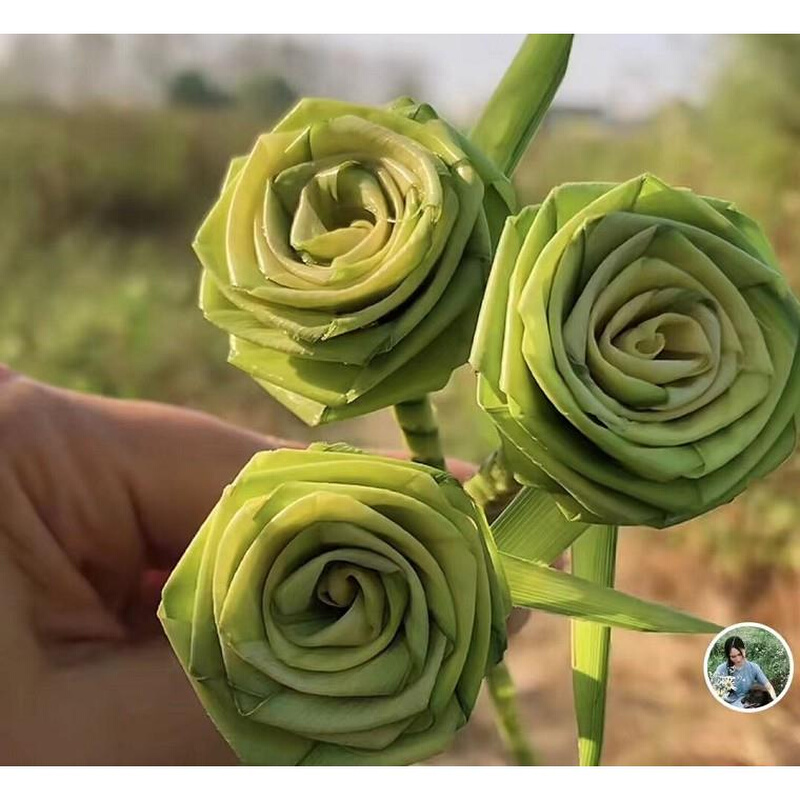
column 659, row 709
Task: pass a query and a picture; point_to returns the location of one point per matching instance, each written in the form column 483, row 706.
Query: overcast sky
column 624, row 74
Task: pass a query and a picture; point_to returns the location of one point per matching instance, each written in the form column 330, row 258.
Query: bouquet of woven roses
column 636, row 347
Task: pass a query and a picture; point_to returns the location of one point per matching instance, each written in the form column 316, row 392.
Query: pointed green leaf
column 535, row 585
column 522, row 98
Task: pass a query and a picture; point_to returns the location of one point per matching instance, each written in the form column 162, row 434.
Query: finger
column 462, row 470
column 65, row 510
column 176, row 463
column 62, row 602
column 130, row 706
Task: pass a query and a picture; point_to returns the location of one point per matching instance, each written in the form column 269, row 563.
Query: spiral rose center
column 338, row 586
column 653, row 332
column 336, row 212
column 346, row 597
column 638, row 343
column 669, row 336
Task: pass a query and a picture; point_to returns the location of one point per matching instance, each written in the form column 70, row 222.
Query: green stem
column 522, row 98
column 417, row 421
column 504, row 697
column 593, row 558
column 493, row 486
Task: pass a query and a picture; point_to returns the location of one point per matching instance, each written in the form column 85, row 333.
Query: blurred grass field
column 99, row 207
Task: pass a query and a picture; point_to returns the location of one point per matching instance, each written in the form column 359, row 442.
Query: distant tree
column 266, row 96
column 193, row 89
column 759, row 85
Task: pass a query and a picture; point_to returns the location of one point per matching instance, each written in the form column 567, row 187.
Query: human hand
column 96, row 495
column 99, row 498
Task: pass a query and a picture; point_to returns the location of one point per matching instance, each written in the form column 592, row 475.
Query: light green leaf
column 535, row 585
column 522, row 98
column 532, row 527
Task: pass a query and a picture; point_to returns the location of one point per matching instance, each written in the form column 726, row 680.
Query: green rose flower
column 338, row 608
column 638, row 351
column 348, row 253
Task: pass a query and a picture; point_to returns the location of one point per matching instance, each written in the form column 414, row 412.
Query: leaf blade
column 519, row 103
column 538, row 586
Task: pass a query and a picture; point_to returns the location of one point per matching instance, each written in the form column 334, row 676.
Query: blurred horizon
column 455, row 73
